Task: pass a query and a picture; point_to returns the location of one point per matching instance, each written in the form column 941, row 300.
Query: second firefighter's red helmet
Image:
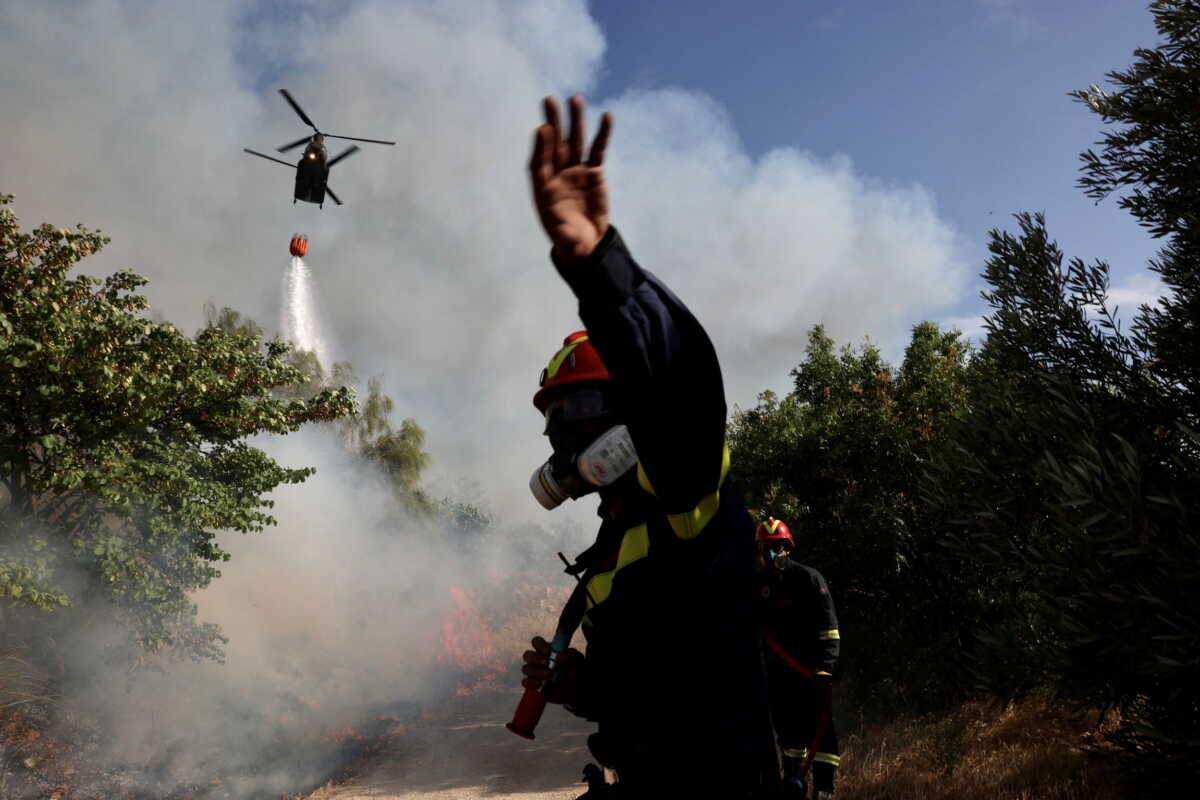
column 576, row 362
column 774, row 530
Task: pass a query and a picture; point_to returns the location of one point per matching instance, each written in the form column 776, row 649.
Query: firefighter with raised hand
column 800, row 634
column 634, row 409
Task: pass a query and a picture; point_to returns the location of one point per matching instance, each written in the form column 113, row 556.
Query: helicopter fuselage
column 311, row 175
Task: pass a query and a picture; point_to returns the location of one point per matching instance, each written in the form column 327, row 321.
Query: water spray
column 299, row 317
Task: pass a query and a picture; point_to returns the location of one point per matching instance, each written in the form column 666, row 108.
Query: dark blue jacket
column 799, row 616
column 673, row 674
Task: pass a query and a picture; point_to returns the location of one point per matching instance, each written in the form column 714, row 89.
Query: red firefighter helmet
column 576, row 362
column 774, row 530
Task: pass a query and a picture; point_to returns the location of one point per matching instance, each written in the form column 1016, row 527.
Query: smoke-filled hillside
column 363, row 603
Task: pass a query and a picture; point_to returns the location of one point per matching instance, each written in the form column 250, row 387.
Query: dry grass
column 24, row 692
column 529, row 610
column 20, row 682
column 1031, row 750
column 8, row 789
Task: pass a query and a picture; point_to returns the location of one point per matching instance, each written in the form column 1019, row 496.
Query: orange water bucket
column 299, row 245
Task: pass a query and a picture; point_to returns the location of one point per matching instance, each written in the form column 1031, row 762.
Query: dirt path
column 464, row 752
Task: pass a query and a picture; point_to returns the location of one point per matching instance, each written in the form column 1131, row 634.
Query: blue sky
column 967, row 97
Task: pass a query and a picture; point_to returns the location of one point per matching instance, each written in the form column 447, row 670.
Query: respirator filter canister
column 601, row 463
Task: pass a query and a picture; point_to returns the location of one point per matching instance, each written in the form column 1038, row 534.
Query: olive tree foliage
column 840, row 459
column 122, row 441
column 1148, row 156
column 396, row 451
column 367, row 431
column 1078, row 474
column 1075, row 484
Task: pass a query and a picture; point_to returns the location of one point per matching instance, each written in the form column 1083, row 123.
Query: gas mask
column 581, row 465
column 772, row 557
column 590, row 449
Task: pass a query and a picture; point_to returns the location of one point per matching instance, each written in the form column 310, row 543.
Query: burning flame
column 467, row 642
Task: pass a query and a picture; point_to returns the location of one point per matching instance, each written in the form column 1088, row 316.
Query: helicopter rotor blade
column 296, row 107
column 329, row 192
column 267, row 157
column 351, row 150
column 296, row 143
column 356, row 139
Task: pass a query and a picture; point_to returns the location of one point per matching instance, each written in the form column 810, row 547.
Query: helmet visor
column 578, row 405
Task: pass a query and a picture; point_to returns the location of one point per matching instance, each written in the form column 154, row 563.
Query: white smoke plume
column 435, row 274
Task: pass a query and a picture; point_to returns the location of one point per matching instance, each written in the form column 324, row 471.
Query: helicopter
column 312, row 170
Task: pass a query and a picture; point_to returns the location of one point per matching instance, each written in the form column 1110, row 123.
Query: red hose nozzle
column 528, row 713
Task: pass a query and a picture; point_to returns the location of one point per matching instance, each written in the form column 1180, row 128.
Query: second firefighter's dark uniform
column 673, row 674
column 801, row 646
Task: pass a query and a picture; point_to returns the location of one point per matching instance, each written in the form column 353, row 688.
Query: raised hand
column 569, row 193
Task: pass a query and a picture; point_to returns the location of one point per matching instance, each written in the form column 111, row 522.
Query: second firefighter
column 801, row 643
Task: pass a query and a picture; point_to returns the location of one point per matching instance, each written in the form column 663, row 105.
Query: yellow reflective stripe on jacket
column 644, row 480
column 556, row 363
column 689, row 524
column 599, row 587
column 830, row 634
column 823, row 758
column 635, row 545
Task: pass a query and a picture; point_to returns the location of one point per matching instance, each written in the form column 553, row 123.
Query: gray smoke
column 435, row 273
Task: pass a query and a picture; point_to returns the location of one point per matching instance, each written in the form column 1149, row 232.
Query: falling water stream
column 299, row 319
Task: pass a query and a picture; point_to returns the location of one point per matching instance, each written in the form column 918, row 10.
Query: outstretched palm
column 570, row 195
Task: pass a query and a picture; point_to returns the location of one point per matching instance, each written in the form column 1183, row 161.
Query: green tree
column 1077, row 478
column 367, row 431
column 313, row 380
column 1074, row 485
column 841, row 459
column 469, row 521
column 122, row 440
column 1149, row 153
column 397, row 452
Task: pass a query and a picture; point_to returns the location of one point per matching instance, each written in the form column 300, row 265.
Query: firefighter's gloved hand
column 565, row 687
